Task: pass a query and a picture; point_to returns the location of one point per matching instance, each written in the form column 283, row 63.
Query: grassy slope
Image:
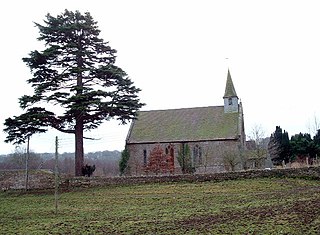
column 253, row 206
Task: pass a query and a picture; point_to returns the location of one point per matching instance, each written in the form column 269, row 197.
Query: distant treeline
column 106, row 162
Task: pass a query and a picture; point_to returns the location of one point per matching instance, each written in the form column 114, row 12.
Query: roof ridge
column 213, row 106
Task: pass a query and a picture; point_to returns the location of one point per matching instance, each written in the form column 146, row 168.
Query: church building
column 188, row 140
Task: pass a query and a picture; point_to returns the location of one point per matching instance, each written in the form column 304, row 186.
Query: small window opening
column 145, row 157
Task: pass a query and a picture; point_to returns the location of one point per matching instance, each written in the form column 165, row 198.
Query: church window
column 197, row 155
column 145, row 157
column 230, row 101
column 170, row 158
column 170, row 150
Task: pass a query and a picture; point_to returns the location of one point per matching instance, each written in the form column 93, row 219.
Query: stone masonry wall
column 9, row 181
column 212, row 155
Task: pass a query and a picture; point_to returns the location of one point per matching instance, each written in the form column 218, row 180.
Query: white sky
column 175, row 51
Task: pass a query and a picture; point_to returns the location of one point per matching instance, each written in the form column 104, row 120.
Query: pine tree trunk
column 27, row 164
column 79, row 158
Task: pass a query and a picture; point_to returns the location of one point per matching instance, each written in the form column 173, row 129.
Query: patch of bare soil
column 298, row 214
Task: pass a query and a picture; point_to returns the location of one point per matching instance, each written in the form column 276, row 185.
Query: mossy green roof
column 187, row 124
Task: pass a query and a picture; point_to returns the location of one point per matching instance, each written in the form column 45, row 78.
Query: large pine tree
column 75, row 71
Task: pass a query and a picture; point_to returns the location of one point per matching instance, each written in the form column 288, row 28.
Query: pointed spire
column 230, row 91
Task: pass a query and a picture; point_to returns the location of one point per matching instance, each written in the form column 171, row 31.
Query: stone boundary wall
column 305, row 173
column 15, row 179
column 45, row 180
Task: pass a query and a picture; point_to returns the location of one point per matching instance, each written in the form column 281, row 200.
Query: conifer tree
column 184, row 159
column 123, row 163
column 76, row 72
column 316, row 138
column 279, row 146
column 304, row 146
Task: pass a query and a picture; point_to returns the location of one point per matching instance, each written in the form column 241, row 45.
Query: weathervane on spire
column 227, row 59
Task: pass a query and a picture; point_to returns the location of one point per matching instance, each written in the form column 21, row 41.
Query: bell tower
column 230, row 97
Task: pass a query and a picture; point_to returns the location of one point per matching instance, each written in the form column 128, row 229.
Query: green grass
column 253, row 206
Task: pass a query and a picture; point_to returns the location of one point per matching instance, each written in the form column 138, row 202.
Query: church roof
column 230, row 90
column 187, row 124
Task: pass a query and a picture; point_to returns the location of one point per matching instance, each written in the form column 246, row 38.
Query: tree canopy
column 279, row 148
column 299, row 146
column 76, row 71
column 304, row 145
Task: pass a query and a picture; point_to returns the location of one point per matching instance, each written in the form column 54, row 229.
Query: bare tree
column 313, row 125
column 17, row 159
column 258, row 149
column 231, row 159
column 257, row 134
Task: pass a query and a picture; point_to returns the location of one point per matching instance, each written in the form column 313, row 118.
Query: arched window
column 197, row 155
column 170, row 150
column 230, row 101
column 170, row 158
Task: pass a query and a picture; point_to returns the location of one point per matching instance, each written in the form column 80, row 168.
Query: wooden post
column 27, row 164
column 56, row 181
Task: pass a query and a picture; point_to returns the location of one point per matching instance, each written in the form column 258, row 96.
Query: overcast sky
column 176, row 51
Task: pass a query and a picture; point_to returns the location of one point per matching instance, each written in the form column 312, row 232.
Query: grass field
column 252, row 206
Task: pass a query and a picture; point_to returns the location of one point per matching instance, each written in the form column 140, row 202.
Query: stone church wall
column 206, row 157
